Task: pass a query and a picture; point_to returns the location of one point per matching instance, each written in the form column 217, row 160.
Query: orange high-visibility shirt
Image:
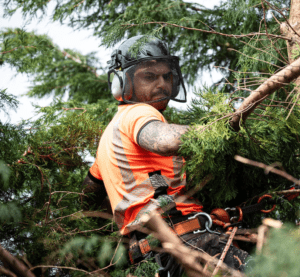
column 125, row 169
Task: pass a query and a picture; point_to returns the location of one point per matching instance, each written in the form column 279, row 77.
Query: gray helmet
column 123, row 60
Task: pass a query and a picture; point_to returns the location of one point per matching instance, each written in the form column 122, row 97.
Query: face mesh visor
column 171, row 74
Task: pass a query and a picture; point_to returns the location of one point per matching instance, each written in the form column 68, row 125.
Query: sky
column 65, row 37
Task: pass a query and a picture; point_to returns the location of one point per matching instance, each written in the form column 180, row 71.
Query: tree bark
column 14, row 264
column 292, row 30
column 277, row 81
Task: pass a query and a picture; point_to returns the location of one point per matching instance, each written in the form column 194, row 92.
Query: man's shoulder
column 140, row 110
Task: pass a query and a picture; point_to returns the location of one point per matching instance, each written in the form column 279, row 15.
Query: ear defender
column 117, row 85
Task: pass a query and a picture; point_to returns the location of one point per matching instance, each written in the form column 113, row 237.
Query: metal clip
column 208, row 223
column 210, row 231
column 230, row 209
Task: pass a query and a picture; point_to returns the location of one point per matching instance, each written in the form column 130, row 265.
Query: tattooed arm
column 95, row 195
column 161, row 138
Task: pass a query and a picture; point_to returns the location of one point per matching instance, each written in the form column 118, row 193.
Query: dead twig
column 263, row 229
column 267, row 168
column 225, row 251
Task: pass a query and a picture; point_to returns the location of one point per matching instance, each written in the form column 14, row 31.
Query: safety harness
column 203, row 222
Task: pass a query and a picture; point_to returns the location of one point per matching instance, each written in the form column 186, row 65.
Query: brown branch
column 7, row 272
column 111, row 261
column 92, row 214
column 223, row 255
column 62, row 267
column 267, row 168
column 128, row 25
column 14, row 264
column 77, row 60
column 172, row 244
column 293, row 106
column 75, row 108
column 294, row 191
column 78, row 4
column 275, row 82
column 241, row 53
column 5, row 52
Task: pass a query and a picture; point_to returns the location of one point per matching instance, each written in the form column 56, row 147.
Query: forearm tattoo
column 162, row 138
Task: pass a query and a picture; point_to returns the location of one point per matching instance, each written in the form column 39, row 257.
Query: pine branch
column 77, row 60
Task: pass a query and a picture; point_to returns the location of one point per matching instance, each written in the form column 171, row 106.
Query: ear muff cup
column 117, row 85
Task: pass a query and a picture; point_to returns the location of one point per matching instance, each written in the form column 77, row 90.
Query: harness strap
column 187, row 226
column 138, row 249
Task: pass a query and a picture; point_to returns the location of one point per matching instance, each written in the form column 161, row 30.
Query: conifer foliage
column 43, row 162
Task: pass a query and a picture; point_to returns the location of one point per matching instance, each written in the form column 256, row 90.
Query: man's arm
column 162, row 138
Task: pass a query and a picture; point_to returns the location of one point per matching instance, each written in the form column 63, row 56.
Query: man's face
column 152, row 81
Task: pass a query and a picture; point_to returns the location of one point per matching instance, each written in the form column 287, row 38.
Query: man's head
column 150, row 82
column 151, row 76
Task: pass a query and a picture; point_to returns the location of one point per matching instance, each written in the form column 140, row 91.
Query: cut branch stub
column 277, row 81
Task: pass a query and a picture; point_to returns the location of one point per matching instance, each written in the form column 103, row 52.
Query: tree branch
column 275, row 82
column 7, row 272
column 128, row 25
column 14, row 264
column 267, row 169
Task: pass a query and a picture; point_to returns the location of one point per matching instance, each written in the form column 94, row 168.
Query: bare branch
column 7, row 272
column 267, row 168
column 128, row 25
column 275, row 82
column 14, row 264
column 225, row 251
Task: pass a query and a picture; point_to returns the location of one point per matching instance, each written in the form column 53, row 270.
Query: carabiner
column 208, row 223
column 210, row 231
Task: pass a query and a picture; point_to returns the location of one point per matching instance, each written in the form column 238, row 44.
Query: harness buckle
column 208, row 223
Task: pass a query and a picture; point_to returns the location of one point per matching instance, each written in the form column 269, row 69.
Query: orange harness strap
column 186, row 226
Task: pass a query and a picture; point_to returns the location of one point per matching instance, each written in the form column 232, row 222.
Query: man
column 137, row 158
